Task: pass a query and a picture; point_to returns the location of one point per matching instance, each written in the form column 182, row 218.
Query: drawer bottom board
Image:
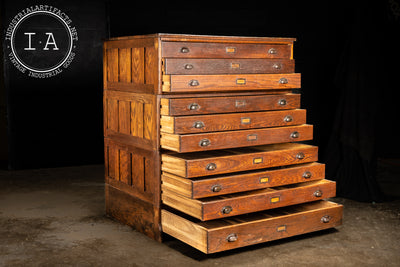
column 225, row 234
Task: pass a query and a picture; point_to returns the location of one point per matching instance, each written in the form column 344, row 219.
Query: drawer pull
column 275, row 199
column 235, row 65
column 264, row 180
column 216, row 188
column 300, row 155
column 240, row 103
column 277, row 66
column 232, row 238
column 283, row 81
column 230, row 50
column 240, row 81
column 318, row 193
column 281, row 228
column 258, row 160
column 185, row 50
column 188, row 67
column 295, row 134
column 252, row 137
column 194, row 83
column 194, row 106
column 198, row 124
column 326, row 219
column 204, row 142
column 307, row 175
column 245, row 120
column 282, row 102
column 272, row 51
column 288, row 118
column 226, row 210
column 211, row 166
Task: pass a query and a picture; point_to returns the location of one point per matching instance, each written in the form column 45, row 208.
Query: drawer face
column 227, row 66
column 231, row 205
column 240, row 231
column 233, row 121
column 225, row 50
column 198, row 164
column 230, row 82
column 227, row 184
column 212, row 105
column 233, row 139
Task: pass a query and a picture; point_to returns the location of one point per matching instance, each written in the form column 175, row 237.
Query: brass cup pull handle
column 204, row 142
column 283, row 81
column 232, row 238
column 288, row 118
column 318, row 193
column 326, row 219
column 307, row 175
column 194, row 106
column 226, row 209
column 198, row 125
column 216, row 188
column 188, row 66
column 211, row 166
column 295, row 134
column 185, row 50
column 194, row 83
column 272, row 51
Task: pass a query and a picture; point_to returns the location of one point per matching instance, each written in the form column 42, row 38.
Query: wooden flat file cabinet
column 202, row 139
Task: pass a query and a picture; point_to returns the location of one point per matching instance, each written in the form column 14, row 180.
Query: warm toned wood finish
column 239, row 159
column 243, row 138
column 229, row 122
column 228, row 104
column 227, row 66
column 232, row 183
column 232, row 82
column 219, row 235
column 251, row 201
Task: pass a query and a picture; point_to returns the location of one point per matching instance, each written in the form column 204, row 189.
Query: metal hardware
column 204, row 142
column 295, row 134
column 198, row 124
column 277, row 66
column 194, row 106
column 275, row 199
column 264, row 180
column 211, row 166
column 272, row 51
column 240, row 103
column 184, row 50
column 240, row 81
column 194, row 83
column 307, row 175
column 230, row 50
column 188, row 67
column 226, row 210
column 216, row 188
column 300, row 155
column 281, row 228
column 232, row 238
column 245, row 120
column 235, row 65
column 282, row 102
column 288, row 118
column 252, row 137
column 318, row 193
column 283, row 81
column 326, row 218
column 258, row 160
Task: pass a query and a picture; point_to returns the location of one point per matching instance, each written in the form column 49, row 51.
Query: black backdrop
column 58, row 121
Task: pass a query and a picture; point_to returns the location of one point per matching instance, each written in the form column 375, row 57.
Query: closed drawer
column 227, row 184
column 219, row 235
column 228, row 104
column 230, row 82
column 232, row 121
column 225, row 50
column 240, row 203
column 232, row 139
column 198, row 164
column 227, row 66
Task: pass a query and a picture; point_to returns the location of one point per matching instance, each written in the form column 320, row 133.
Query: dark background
column 347, row 53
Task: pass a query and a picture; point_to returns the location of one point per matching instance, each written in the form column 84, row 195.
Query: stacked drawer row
column 232, row 171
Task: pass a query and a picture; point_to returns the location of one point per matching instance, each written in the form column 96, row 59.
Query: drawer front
column 252, row 201
column 225, row 50
column 228, row 184
column 227, row 66
column 230, row 82
column 233, row 121
column 232, row 139
column 240, row 231
column 212, row 105
column 191, row 165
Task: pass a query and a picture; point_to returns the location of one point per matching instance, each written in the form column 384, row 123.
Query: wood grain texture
column 253, row 228
column 227, row 184
column 228, row 104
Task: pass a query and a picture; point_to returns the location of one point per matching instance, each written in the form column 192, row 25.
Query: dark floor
column 55, row 217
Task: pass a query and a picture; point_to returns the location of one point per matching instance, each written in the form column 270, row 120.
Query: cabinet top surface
column 207, row 38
